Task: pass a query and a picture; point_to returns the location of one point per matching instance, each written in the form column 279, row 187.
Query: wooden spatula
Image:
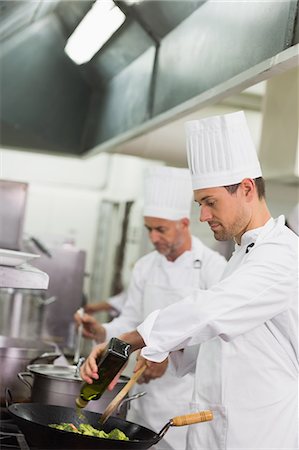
column 119, row 397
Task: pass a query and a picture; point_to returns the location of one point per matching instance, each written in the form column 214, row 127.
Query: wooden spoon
column 119, row 397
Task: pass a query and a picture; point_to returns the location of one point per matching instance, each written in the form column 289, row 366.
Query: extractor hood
column 168, row 56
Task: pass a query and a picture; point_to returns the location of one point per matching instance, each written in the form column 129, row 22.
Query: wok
column 33, row 420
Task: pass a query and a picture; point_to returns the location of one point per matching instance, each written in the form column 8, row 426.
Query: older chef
column 246, row 325
column 180, row 264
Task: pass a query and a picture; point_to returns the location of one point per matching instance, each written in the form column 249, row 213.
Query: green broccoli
column 89, row 430
column 117, row 434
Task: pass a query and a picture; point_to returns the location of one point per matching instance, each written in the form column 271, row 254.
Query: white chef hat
column 167, row 193
column 293, row 219
column 220, row 151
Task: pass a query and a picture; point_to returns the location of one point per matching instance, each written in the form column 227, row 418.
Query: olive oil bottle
column 113, row 359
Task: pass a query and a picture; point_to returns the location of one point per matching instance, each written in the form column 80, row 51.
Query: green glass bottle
column 113, row 359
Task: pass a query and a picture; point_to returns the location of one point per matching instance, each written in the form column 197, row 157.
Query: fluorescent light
column 99, row 24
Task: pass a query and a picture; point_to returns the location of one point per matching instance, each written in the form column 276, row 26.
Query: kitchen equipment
column 22, row 312
column 15, row 355
column 33, row 419
column 13, row 199
column 60, row 385
column 79, row 338
column 13, row 258
column 66, row 269
column 119, row 397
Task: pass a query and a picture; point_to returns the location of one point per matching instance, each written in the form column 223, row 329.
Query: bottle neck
column 80, row 402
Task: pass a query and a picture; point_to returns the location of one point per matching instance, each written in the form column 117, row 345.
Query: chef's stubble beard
column 233, row 230
column 171, row 249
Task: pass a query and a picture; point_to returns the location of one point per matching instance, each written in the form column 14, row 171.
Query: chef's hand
column 89, row 370
column 92, row 329
column 154, row 370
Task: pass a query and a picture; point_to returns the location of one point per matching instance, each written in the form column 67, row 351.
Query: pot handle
column 46, row 301
column 129, row 399
column 8, row 397
column 22, row 375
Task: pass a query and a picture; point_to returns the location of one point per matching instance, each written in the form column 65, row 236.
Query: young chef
column 179, row 264
column 247, row 324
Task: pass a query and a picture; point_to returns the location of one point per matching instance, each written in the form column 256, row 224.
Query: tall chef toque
column 167, row 193
column 220, row 151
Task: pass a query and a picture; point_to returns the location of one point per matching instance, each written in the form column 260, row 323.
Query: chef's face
column 227, row 214
column 167, row 236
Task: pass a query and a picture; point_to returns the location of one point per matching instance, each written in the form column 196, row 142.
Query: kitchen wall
column 65, row 194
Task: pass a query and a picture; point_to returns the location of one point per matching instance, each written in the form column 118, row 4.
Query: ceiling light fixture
column 96, row 27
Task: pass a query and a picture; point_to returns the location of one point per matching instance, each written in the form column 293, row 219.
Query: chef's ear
column 248, row 187
column 185, row 222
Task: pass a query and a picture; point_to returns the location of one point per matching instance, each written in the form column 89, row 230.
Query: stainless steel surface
column 78, row 339
column 136, row 75
column 15, row 355
column 23, row 277
column 22, row 313
column 66, row 269
column 209, row 55
column 59, row 385
column 13, row 197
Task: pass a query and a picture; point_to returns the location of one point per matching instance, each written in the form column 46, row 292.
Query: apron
column 168, row 396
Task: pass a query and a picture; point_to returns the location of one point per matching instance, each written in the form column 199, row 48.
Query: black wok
column 33, row 420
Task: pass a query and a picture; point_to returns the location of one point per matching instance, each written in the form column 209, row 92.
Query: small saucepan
column 33, row 420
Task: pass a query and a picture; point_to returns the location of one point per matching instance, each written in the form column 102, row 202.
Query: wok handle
column 189, row 419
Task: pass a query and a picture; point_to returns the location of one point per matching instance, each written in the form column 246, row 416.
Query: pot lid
column 57, row 372
column 67, row 373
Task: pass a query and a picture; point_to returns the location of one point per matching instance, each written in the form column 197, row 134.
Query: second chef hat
column 167, row 193
column 220, row 151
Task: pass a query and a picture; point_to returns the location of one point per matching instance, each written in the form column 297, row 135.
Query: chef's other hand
column 89, row 370
column 92, row 329
column 154, row 370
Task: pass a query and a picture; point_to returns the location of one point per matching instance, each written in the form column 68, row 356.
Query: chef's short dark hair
column 259, row 183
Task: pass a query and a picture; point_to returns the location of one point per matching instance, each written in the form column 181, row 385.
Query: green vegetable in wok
column 89, row 430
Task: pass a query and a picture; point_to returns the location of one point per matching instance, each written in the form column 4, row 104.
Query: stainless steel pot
column 22, row 312
column 15, row 355
column 60, row 385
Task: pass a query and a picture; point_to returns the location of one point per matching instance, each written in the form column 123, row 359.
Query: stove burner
column 11, row 438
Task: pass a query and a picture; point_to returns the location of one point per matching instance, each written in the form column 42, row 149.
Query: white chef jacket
column 118, row 301
column 155, row 283
column 247, row 325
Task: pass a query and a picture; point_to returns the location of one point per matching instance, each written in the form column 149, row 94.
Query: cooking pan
column 33, row 420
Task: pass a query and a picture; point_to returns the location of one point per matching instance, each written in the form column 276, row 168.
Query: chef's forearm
column 134, row 339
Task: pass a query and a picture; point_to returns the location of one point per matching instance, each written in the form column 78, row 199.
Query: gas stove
column 11, row 438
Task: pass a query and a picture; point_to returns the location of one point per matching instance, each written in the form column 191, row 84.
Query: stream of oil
column 80, row 414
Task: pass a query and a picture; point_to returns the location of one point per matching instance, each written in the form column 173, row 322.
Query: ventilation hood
column 167, row 60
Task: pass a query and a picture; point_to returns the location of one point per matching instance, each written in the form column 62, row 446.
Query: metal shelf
column 23, row 277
